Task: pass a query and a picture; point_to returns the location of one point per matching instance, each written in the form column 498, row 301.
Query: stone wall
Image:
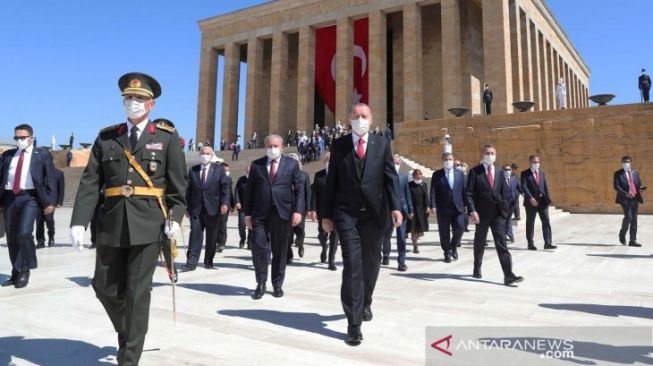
column 580, row 149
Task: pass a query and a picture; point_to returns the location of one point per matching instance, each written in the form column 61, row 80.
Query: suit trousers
column 331, row 238
column 199, row 223
column 299, row 234
column 530, row 224
column 448, row 225
column 497, row 225
column 508, row 219
column 41, row 222
column 401, row 241
column 123, row 283
column 631, row 208
column 270, row 236
column 243, row 231
column 222, row 229
column 645, row 94
column 20, row 213
column 361, row 240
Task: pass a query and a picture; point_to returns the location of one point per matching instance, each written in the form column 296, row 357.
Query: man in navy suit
column 628, row 185
column 448, row 201
column 488, row 203
column 316, row 211
column 239, row 196
column 48, row 220
column 515, row 190
column 362, row 187
column 536, row 202
column 28, row 178
column 406, row 211
column 207, row 195
column 274, row 201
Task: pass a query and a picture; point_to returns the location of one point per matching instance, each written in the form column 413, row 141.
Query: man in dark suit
column 48, row 220
column 644, row 83
column 224, row 217
column 274, row 201
column 28, row 181
column 487, row 99
column 239, row 197
column 488, row 200
column 629, row 187
column 362, row 187
column 448, row 201
column 299, row 231
column 406, row 202
column 536, row 202
column 316, row 211
column 207, row 195
column 515, row 190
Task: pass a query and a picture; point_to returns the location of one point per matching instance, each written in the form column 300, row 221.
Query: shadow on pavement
column 443, row 276
column 83, row 281
column 621, row 256
column 54, row 352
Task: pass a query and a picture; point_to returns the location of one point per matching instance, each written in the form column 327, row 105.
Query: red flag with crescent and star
column 325, row 63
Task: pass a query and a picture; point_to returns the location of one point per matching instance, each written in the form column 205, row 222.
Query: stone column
column 552, row 75
column 279, row 71
column 527, row 64
column 377, row 50
column 230, row 92
column 306, row 80
column 516, row 46
column 497, row 55
column 535, row 52
column 412, row 62
column 207, row 95
column 253, row 93
column 344, row 69
column 567, row 83
column 544, row 79
column 451, row 56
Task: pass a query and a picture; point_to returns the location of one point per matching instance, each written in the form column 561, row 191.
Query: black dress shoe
column 41, row 244
column 300, row 251
column 367, row 313
column 402, row 268
column 220, row 249
column 454, row 255
column 241, row 245
column 622, row 240
column 289, row 261
column 332, row 267
column 634, row 244
column 22, row 280
column 259, row 292
column 415, row 249
column 92, row 246
column 477, row 273
column 354, row 335
column 208, row 265
column 278, row 292
column 249, row 246
column 447, row 258
column 550, row 246
column 385, row 261
column 188, row 267
column 532, row 247
column 51, row 242
column 9, row 282
column 512, row 279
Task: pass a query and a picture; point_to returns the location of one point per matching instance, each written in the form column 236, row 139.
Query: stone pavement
column 589, row 280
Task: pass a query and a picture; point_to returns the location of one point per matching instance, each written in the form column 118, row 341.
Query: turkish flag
column 325, row 63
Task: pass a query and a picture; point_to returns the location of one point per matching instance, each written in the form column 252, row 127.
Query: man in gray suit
column 406, row 211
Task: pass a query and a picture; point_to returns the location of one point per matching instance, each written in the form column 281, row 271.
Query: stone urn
column 85, row 145
column 458, row 111
column 602, row 99
column 524, row 105
column 64, row 147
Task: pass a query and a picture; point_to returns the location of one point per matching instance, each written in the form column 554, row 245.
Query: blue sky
column 60, row 60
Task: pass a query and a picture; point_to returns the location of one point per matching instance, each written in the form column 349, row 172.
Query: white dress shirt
column 276, row 162
column 139, row 128
column 366, row 139
column 26, row 181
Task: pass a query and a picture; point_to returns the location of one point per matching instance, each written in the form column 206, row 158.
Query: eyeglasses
column 459, row 165
column 507, row 170
column 16, row 138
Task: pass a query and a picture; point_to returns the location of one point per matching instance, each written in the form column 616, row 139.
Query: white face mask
column 417, row 181
column 23, row 143
column 461, row 168
column 489, row 159
column 205, row 159
column 397, row 166
column 506, row 174
column 535, row 166
column 448, row 164
column 134, row 108
column 360, row 126
column 273, row 153
column 626, row 166
column 227, row 173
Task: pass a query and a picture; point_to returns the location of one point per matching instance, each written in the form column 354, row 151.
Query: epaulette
column 164, row 124
column 111, row 128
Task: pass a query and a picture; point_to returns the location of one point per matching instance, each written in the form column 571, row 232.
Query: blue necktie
column 450, row 178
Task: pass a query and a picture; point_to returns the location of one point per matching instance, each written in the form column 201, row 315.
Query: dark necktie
column 203, row 177
column 19, row 173
column 273, row 170
column 133, row 137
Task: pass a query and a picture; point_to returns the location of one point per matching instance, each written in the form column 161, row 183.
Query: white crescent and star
column 356, row 52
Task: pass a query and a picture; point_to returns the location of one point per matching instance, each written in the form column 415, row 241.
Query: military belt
column 128, row 191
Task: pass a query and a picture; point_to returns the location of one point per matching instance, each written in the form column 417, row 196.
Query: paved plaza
column 589, row 280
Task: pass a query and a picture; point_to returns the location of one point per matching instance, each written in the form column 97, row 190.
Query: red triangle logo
column 445, row 350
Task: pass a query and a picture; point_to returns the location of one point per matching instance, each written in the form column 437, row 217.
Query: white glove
column 172, row 229
column 77, row 236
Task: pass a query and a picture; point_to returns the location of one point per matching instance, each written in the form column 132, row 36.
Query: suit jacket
column 484, row 200
column 231, row 202
column 44, row 176
column 446, row 200
column 307, row 188
column 376, row 185
column 515, row 189
column 530, row 188
column 622, row 186
column 405, row 199
column 60, row 187
column 286, row 193
column 239, row 190
column 214, row 194
column 318, row 192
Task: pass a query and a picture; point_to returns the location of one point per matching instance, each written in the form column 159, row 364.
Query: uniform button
column 131, row 170
column 129, row 181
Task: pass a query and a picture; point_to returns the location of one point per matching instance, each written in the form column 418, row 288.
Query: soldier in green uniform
column 142, row 173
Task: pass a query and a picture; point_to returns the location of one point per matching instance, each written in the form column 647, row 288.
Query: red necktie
column 273, row 170
column 633, row 189
column 360, row 151
column 19, row 173
column 490, row 176
column 537, row 177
